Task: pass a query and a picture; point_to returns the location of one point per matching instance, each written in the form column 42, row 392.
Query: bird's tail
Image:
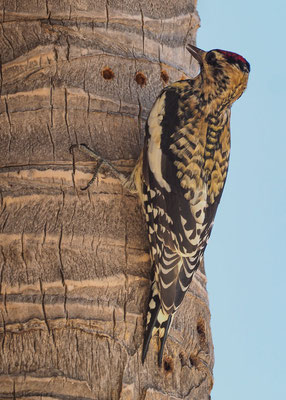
column 157, row 321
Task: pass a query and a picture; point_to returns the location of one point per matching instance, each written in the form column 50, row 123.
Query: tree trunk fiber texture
column 74, row 265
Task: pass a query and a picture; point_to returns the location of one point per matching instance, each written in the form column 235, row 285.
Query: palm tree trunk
column 74, row 265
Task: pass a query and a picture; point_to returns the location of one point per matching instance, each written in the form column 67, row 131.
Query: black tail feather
column 166, row 325
column 150, row 326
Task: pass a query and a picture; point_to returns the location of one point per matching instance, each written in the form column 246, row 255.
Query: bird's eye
column 211, row 58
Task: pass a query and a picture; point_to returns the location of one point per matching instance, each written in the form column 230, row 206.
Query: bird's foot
column 100, row 161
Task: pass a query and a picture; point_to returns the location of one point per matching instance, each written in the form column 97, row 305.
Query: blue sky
column 245, row 263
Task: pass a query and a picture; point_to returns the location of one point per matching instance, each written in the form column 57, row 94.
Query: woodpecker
column 180, row 176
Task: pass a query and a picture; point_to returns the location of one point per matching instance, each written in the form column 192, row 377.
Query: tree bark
column 74, row 265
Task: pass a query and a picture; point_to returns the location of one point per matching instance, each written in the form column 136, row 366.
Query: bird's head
column 223, row 72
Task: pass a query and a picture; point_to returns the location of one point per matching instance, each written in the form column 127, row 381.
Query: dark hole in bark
column 168, row 364
column 107, row 73
column 193, row 360
column 140, row 79
column 164, row 76
column 202, row 334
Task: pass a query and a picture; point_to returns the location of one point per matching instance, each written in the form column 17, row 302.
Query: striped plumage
column 181, row 174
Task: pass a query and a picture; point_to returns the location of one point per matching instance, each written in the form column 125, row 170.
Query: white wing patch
column 154, row 150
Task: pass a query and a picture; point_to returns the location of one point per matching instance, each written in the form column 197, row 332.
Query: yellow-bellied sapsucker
column 181, row 174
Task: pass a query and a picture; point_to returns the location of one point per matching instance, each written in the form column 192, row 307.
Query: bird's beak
column 196, row 53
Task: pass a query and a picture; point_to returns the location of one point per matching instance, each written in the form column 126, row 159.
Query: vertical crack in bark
column 1, row 75
column 56, row 60
column 72, row 216
column 43, row 306
column 14, row 390
column 107, row 14
column 50, row 331
column 66, row 113
column 73, row 172
column 44, row 234
column 63, row 200
column 126, row 276
column 89, row 132
column 88, row 104
column 71, row 223
column 76, row 342
column 47, row 9
column 52, row 141
column 114, row 322
column 2, row 269
column 159, row 57
column 10, row 124
column 65, row 301
column 84, row 77
column 68, row 49
column 120, row 105
column 57, row 216
column 4, row 332
column 142, row 28
column 51, row 105
column 99, row 240
column 62, row 271
column 5, row 302
column 23, row 255
column 89, row 195
column 2, row 205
